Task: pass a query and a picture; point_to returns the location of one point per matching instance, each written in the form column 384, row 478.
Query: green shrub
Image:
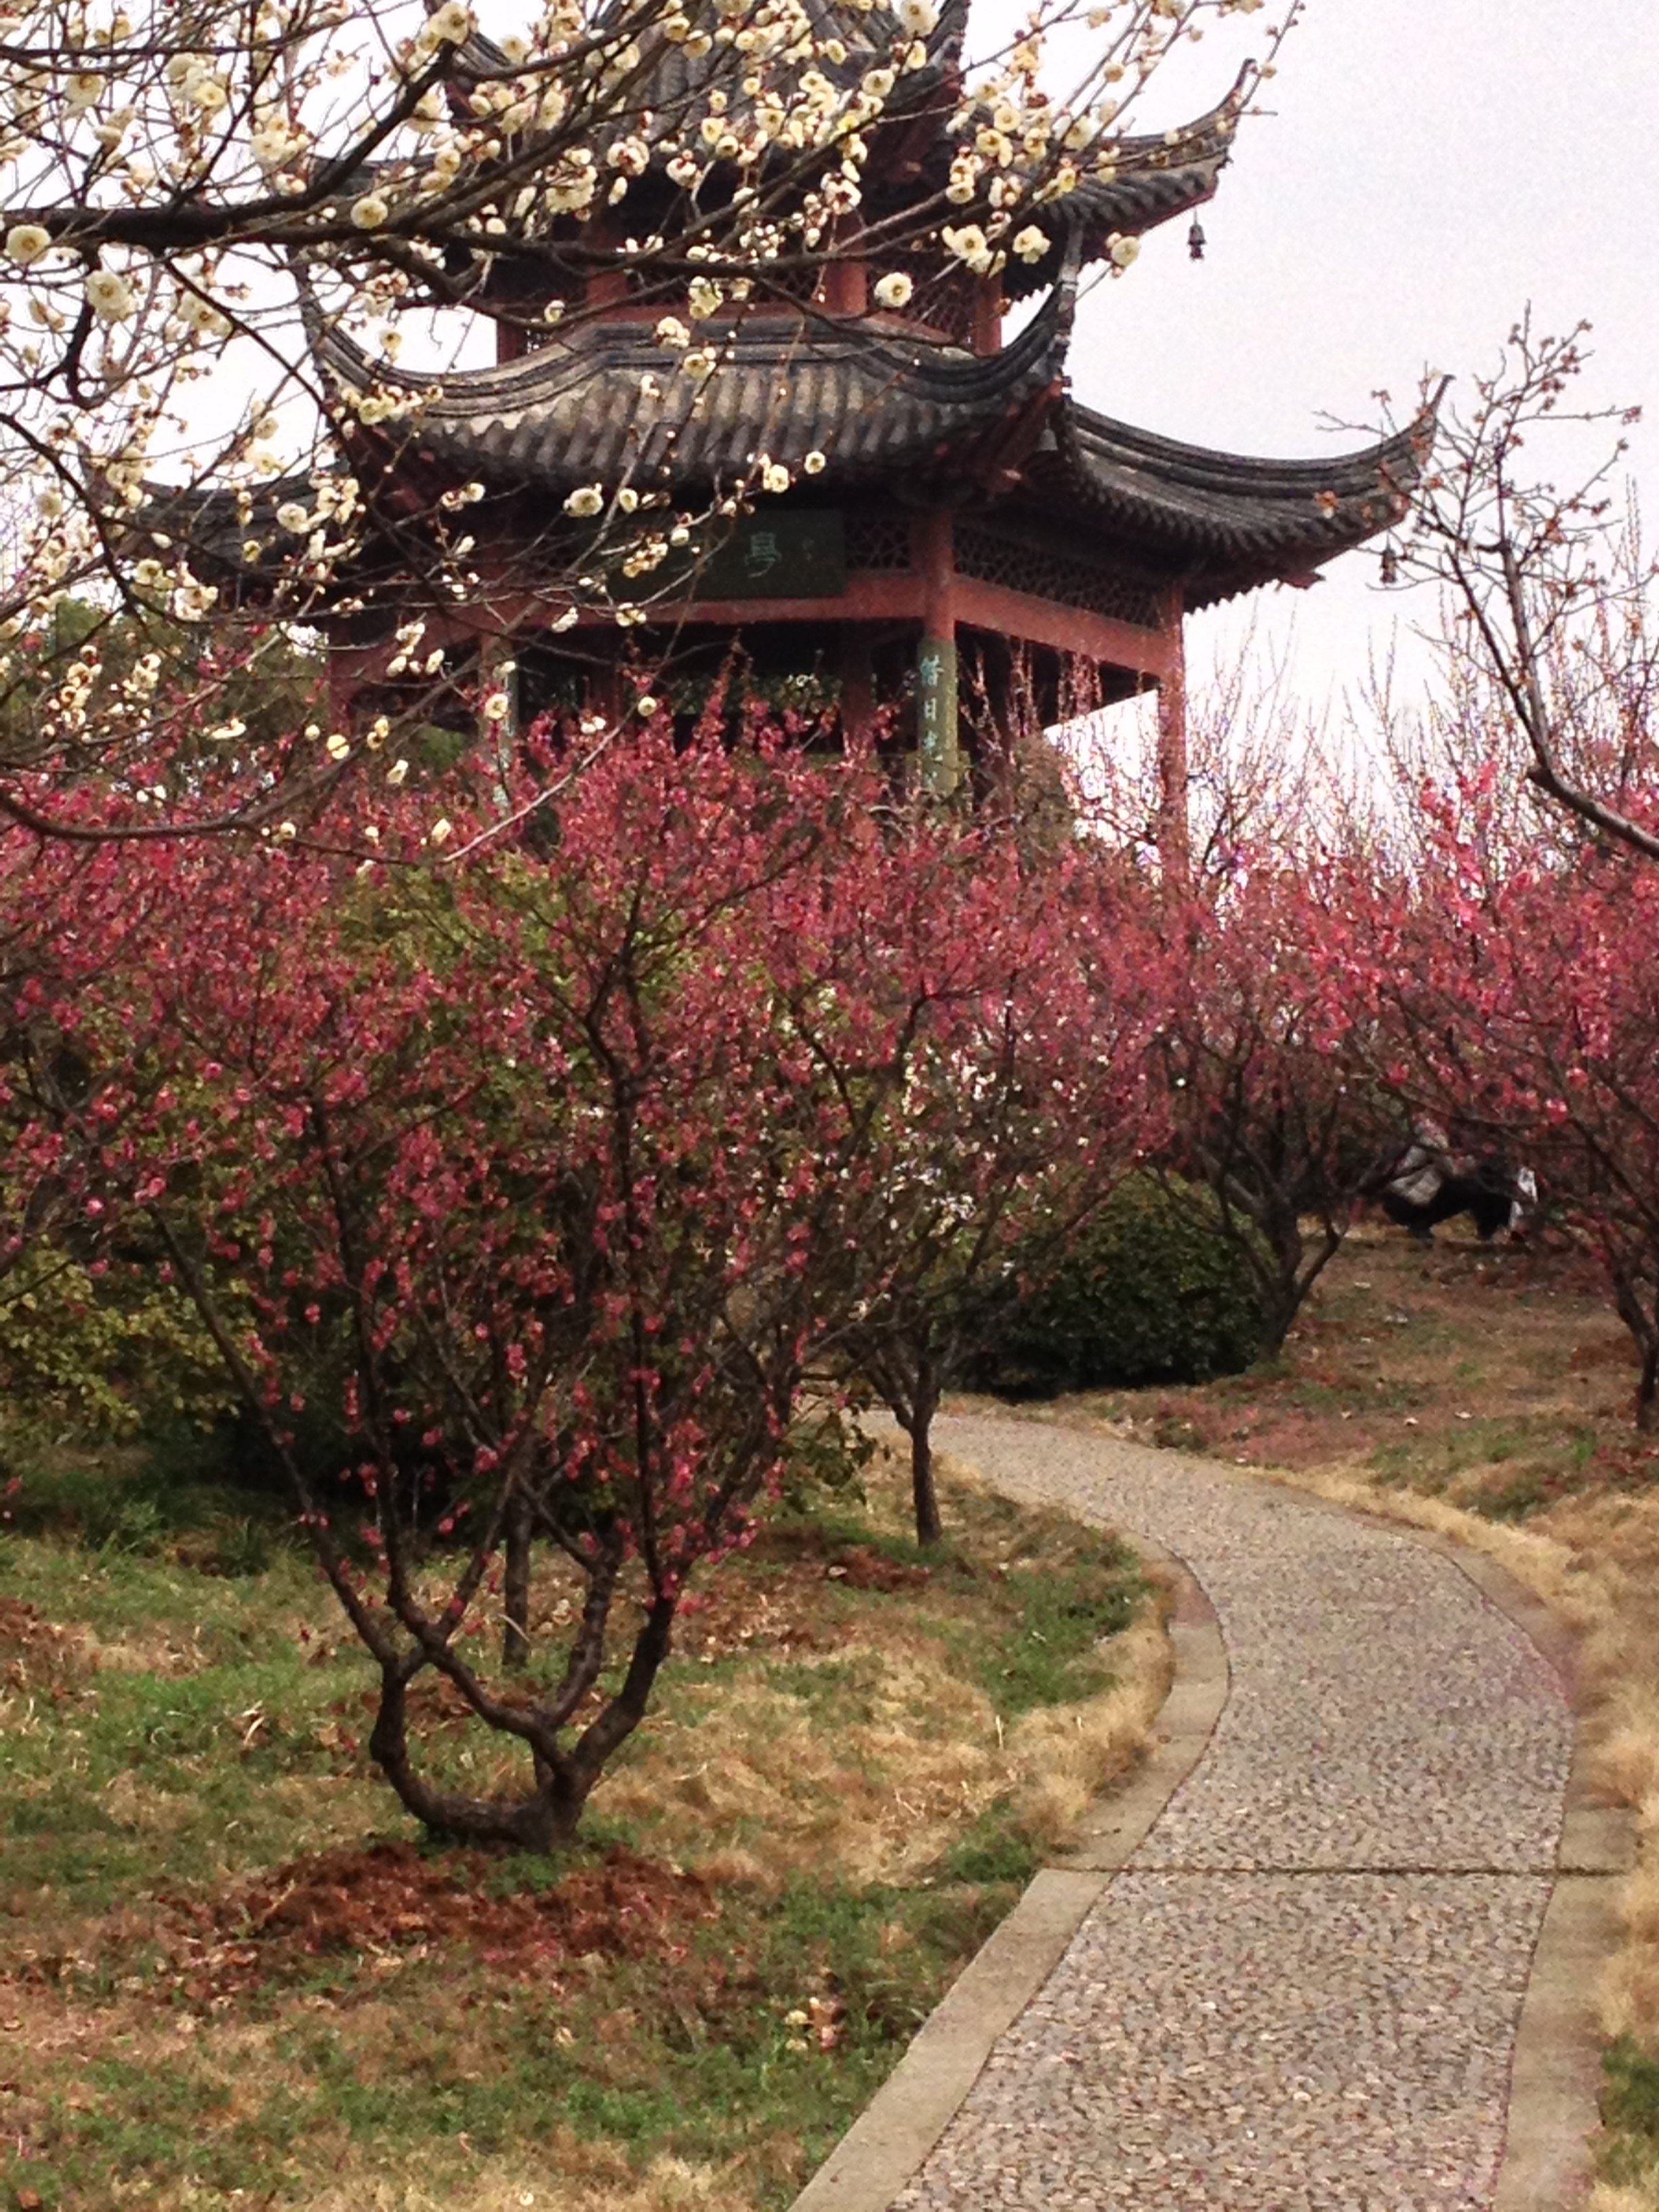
column 102, row 1352
column 827, row 1455
column 1151, row 1291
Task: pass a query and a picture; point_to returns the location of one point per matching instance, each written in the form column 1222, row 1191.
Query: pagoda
column 956, row 527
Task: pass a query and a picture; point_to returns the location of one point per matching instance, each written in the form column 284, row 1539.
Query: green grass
column 212, row 1740
column 1545, row 1459
column 712, row 2067
column 1052, row 1655
column 1630, row 2113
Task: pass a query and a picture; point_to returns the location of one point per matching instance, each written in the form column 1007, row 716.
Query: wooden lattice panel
column 1019, row 565
column 878, row 540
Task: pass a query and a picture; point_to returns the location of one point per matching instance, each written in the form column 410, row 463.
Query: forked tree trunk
column 1647, row 1388
column 548, row 1815
column 540, row 1822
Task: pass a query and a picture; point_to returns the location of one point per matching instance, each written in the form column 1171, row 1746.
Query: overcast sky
column 1429, row 166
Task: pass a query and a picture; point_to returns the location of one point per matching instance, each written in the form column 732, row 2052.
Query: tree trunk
column 515, row 1632
column 539, row 1822
column 924, row 1493
column 1647, row 1388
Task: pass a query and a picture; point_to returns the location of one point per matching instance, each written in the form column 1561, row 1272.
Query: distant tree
column 1268, row 1052
column 1520, row 996
column 1551, row 633
column 1022, row 1033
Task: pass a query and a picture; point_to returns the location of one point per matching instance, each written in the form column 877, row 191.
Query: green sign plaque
column 790, row 554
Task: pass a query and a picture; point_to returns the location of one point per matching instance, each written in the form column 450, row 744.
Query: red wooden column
column 1174, row 819
column 939, row 741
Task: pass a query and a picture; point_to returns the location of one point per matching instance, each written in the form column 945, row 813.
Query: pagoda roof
column 671, row 80
column 1155, row 176
column 1158, row 177
column 608, row 403
column 1226, row 522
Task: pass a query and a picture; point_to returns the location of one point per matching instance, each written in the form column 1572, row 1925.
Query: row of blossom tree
column 550, row 1166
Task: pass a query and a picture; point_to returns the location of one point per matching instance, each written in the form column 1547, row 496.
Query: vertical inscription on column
column 936, row 714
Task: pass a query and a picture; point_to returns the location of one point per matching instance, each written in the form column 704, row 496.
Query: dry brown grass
column 878, row 1799
column 582, row 2182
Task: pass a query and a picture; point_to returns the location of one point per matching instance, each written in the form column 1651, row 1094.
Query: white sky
column 1431, row 166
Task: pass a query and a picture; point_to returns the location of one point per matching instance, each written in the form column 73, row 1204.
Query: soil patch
column 34, row 1653
column 393, row 1896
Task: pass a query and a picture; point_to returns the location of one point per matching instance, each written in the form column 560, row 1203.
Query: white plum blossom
column 775, row 477
column 370, row 212
column 1122, row 249
column 971, row 246
column 109, row 296
column 1031, row 244
column 894, row 290
column 813, row 465
column 25, row 242
column 294, row 517
column 450, row 24
column 202, row 316
column 585, row 500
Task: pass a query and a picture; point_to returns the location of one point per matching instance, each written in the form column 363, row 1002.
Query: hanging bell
column 1390, row 565
column 1195, row 241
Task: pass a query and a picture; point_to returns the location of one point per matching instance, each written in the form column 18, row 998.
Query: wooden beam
column 875, row 596
column 1067, row 630
column 988, row 315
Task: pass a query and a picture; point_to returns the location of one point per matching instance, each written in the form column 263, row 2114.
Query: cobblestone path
column 1302, row 1993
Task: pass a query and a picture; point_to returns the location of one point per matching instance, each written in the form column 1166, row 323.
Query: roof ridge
column 1039, row 353
column 1399, row 452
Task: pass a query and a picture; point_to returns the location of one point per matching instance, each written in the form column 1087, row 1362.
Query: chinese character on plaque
column 761, row 554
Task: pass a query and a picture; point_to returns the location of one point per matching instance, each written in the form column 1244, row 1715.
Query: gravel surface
column 1303, row 1993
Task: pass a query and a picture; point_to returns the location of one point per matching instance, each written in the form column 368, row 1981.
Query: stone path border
column 1556, row 2067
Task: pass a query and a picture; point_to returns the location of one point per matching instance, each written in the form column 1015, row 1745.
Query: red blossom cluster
column 521, row 1182
column 535, row 1177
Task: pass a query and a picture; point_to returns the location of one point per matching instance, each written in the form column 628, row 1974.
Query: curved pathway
column 1300, row 1991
